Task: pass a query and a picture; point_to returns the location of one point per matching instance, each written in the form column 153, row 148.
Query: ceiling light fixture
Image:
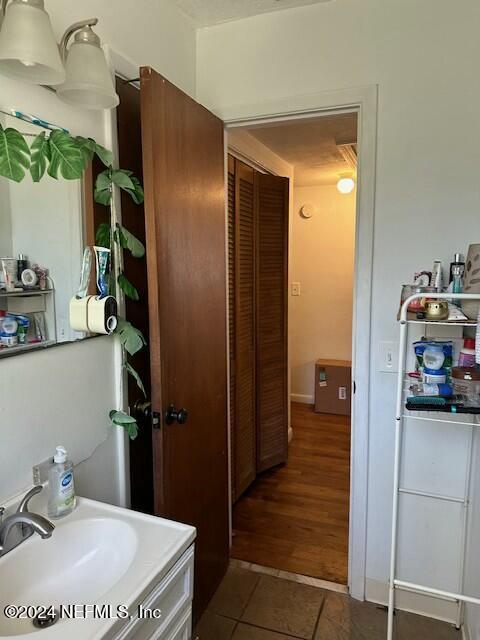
column 89, row 82
column 29, row 52
column 346, row 184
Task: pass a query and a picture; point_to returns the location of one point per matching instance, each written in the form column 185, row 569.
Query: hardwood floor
column 295, row 517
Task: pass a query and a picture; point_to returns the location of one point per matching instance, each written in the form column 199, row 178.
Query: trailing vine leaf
column 105, row 155
column 136, row 376
column 40, row 156
column 121, row 178
column 127, row 287
column 131, row 338
column 103, row 188
column 14, row 154
column 122, row 419
column 102, row 236
column 66, row 156
column 127, row 240
column 87, row 147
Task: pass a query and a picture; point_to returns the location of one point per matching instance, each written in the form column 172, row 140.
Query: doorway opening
column 292, row 219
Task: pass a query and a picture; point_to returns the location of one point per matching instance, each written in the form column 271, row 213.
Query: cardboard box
column 333, row 386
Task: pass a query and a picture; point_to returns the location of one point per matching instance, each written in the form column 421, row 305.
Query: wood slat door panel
column 245, row 428
column 184, row 174
column 271, row 320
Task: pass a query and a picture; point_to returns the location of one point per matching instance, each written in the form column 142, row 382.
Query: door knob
column 142, row 410
column 176, row 415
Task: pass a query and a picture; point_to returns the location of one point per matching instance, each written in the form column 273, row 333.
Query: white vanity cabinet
column 173, row 597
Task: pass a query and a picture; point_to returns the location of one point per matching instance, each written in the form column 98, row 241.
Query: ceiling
column 208, row 12
column 311, row 146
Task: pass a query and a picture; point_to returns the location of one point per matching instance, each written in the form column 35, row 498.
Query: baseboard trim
column 304, row 399
column 377, row 592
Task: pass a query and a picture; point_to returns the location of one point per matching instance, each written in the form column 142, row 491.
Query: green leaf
column 66, row 156
column 102, row 237
column 103, row 188
column 87, row 147
column 128, row 241
column 127, row 287
column 40, row 152
column 14, row 154
column 136, row 377
column 105, row 155
column 127, row 422
column 137, row 192
column 122, row 179
column 132, row 339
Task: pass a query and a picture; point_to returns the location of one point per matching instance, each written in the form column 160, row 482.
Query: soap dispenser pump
column 61, row 500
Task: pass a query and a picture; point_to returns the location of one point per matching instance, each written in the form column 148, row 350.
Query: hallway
column 295, row 518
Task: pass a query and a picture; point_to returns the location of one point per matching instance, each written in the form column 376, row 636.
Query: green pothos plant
column 59, row 154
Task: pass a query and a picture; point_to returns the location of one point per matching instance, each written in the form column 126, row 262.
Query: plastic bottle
column 467, row 353
column 437, row 275
column 61, row 498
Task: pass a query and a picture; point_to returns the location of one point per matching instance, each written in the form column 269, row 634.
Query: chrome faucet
column 30, row 523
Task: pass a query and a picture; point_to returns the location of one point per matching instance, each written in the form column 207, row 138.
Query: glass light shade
column 89, row 82
column 28, row 49
column 346, row 185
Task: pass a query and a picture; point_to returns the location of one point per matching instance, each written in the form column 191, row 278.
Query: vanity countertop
column 101, row 556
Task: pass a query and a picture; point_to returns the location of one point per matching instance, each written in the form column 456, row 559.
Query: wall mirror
column 42, row 231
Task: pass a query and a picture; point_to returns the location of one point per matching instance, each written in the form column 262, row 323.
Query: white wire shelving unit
column 401, row 414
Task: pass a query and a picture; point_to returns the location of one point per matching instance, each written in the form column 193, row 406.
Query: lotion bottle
column 61, row 499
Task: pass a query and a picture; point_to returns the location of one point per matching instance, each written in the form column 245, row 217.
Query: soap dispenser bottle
column 61, row 499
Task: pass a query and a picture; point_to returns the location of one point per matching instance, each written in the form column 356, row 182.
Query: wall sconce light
column 28, row 49
column 89, row 81
column 29, row 52
column 346, row 184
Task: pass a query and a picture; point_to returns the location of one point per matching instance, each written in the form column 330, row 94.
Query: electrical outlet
column 342, row 393
column 295, row 288
column 388, row 356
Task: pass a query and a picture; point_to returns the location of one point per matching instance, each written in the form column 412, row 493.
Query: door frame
column 363, row 101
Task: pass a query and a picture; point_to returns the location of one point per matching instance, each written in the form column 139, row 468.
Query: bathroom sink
column 98, row 555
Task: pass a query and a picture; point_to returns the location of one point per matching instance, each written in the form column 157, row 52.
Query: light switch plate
column 388, row 356
column 295, row 288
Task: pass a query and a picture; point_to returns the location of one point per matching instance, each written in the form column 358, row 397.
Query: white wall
column 322, row 262
column 423, row 56
column 5, row 221
column 63, row 395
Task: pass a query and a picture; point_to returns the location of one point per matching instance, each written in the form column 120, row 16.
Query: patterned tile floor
column 252, row 606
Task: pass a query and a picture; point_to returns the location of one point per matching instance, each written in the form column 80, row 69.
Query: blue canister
column 434, row 376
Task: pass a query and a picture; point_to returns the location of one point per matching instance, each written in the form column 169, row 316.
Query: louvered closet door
column 245, row 436
column 271, row 327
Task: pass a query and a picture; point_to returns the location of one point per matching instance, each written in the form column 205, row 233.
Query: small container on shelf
column 466, row 385
column 467, row 353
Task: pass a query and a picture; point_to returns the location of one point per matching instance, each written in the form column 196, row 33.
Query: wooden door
column 271, row 325
column 183, row 153
column 244, row 435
